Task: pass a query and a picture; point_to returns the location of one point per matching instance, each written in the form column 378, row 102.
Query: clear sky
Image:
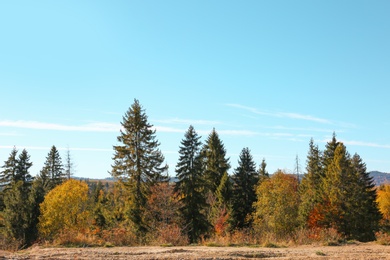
column 268, row 75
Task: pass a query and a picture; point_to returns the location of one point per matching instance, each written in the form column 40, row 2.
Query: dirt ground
column 354, row 251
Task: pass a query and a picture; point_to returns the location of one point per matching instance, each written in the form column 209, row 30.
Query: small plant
column 320, row 253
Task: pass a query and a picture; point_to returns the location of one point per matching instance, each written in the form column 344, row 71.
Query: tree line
column 336, row 192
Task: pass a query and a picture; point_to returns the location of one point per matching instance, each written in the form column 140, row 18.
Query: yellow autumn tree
column 64, row 208
column 383, row 199
column 276, row 208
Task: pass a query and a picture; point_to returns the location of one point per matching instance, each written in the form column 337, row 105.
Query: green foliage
column 215, row 162
column 245, row 179
column 52, row 173
column 310, row 186
column 190, row 188
column 338, row 192
column 276, row 208
column 138, row 163
column 16, row 213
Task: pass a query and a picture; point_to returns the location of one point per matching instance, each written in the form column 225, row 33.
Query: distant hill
column 380, row 177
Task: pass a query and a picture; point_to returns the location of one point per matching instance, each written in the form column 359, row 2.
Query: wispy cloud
column 92, row 127
column 46, row 148
column 188, row 122
column 282, row 114
column 365, row 144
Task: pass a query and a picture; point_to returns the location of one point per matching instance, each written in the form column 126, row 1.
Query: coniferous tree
column 245, row 179
column 310, row 186
column 337, row 192
column 8, row 174
column 52, row 173
column 366, row 215
column 17, row 210
column 190, row 186
column 138, row 162
column 263, row 173
column 215, row 162
column 69, row 165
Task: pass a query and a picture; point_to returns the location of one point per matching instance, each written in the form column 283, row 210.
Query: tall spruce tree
column 245, row 179
column 190, row 186
column 366, row 215
column 52, row 173
column 9, row 172
column 17, row 210
column 138, row 163
column 215, row 162
column 310, row 186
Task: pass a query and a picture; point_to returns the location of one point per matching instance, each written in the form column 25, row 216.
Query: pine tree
column 216, row 163
column 190, row 186
column 138, row 162
column 52, row 172
column 245, row 179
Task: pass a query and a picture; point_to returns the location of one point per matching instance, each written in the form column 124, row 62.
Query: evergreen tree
column 7, row 175
column 9, row 172
column 190, row 186
column 310, row 186
column 138, row 162
column 366, row 216
column 52, row 173
column 215, row 162
column 69, row 165
column 263, row 173
column 245, row 179
column 347, row 198
column 17, row 210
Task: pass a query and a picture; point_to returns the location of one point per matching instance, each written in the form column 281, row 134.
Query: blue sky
column 268, row 75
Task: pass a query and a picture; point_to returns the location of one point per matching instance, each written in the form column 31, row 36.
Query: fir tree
column 366, row 215
column 263, row 173
column 69, row 165
column 215, row 162
column 17, row 210
column 9, row 172
column 245, row 179
column 190, row 186
column 310, row 186
column 138, row 162
column 52, row 173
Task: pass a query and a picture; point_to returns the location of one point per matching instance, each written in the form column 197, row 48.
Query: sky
column 267, row 75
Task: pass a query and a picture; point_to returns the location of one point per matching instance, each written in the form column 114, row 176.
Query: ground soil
column 353, row 251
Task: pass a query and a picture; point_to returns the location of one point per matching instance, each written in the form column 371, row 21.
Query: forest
column 334, row 201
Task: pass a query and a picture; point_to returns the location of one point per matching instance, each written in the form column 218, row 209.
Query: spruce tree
column 366, row 215
column 190, row 186
column 17, row 209
column 310, row 187
column 52, row 172
column 263, row 173
column 215, row 162
column 9, row 172
column 138, row 163
column 245, row 179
